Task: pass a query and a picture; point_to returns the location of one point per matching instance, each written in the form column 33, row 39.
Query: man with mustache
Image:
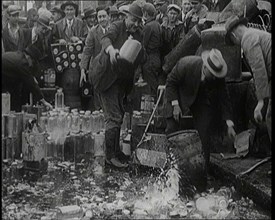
column 114, row 80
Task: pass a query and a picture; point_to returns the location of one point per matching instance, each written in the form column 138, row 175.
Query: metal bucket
column 187, row 148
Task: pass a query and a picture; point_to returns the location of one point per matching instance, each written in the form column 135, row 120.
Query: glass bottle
column 101, row 120
column 43, row 123
column 75, row 126
column 81, row 119
column 59, row 99
column 86, row 125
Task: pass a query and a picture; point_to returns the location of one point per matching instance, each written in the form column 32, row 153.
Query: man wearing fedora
column 32, row 16
column 122, row 12
column 90, row 19
column 14, row 37
column 161, row 7
column 256, row 46
column 18, row 68
column 92, row 48
column 113, row 12
column 198, row 83
column 70, row 28
column 57, row 13
column 113, row 78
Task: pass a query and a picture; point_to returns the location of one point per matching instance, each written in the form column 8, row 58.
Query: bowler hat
column 135, row 10
column 230, row 24
column 214, row 62
column 150, row 9
column 13, row 9
column 58, row 10
column 175, row 7
column 159, row 2
column 90, row 11
column 44, row 20
column 72, row 3
column 34, row 52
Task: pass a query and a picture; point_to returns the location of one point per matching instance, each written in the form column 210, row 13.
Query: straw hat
column 214, row 61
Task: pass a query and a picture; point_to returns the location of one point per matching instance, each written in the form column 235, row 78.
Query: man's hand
column 46, row 104
column 75, row 39
column 82, row 77
column 62, row 41
column 230, row 130
column 176, row 112
column 113, row 54
column 258, row 111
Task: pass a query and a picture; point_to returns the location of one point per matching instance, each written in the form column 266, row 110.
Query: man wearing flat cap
column 113, row 78
column 91, row 49
column 70, row 28
column 172, row 30
column 20, row 68
column 57, row 13
column 198, row 83
column 14, row 37
column 256, row 46
column 89, row 19
column 198, row 11
column 122, row 12
column 152, row 43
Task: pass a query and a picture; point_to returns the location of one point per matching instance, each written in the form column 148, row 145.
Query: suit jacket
column 23, row 42
column 92, row 47
column 16, row 69
column 256, row 45
column 104, row 74
column 77, row 29
column 184, row 81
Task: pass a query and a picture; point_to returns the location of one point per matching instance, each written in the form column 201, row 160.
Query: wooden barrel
column 187, row 148
column 215, row 38
column 70, row 84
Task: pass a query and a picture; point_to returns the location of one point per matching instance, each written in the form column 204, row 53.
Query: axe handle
column 151, row 117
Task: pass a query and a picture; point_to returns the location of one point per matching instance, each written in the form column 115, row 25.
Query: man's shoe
column 115, row 162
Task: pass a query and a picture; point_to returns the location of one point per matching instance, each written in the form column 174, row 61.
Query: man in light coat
column 256, row 46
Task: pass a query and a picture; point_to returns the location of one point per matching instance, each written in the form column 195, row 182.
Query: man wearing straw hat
column 198, row 83
column 256, row 45
column 114, row 80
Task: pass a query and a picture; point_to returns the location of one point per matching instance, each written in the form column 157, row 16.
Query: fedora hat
column 135, row 10
column 113, row 10
column 90, row 11
column 214, row 61
column 72, row 3
column 58, row 10
column 13, row 9
column 230, row 24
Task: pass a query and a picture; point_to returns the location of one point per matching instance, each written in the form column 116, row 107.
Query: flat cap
column 13, row 9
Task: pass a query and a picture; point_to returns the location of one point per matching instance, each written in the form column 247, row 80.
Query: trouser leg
column 269, row 119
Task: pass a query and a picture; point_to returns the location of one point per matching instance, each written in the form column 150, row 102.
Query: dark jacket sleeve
column 174, row 80
column 110, row 36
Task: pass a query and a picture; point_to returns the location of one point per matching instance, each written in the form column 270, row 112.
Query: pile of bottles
column 61, row 122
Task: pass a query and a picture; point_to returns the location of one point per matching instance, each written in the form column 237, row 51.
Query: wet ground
column 118, row 194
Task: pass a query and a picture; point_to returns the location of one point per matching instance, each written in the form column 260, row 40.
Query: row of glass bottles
column 72, row 122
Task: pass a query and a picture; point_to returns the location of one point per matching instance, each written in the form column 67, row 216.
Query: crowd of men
column 196, row 82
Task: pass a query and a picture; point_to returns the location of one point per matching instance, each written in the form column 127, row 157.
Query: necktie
column 69, row 29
